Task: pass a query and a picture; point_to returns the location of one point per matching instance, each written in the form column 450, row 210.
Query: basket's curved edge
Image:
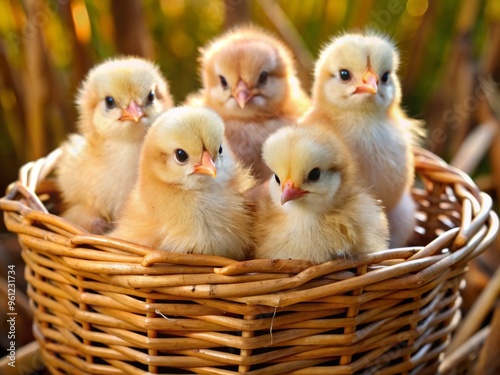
column 476, row 205
column 476, row 214
column 425, row 159
column 32, row 200
column 31, row 209
column 473, row 225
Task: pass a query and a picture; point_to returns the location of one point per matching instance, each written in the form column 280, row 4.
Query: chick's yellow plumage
column 357, row 95
column 315, row 209
column 249, row 78
column 190, row 194
column 117, row 102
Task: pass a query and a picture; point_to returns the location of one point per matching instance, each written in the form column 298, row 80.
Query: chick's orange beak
column 290, row 192
column 206, row 166
column 133, row 112
column 370, row 83
column 242, row 94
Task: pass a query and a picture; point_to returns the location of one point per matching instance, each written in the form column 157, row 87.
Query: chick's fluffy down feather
column 357, row 95
column 117, row 102
column 249, row 78
column 315, row 208
column 177, row 204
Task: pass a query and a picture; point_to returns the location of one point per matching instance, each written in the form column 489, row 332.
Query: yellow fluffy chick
column 117, row 102
column 357, row 94
column 249, row 79
column 315, row 208
column 190, row 194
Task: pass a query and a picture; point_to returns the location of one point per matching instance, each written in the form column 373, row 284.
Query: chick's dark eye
column 181, row 156
column 151, row 97
column 110, row 102
column 277, row 179
column 344, row 75
column 223, row 82
column 263, row 77
column 385, row 77
column 220, row 150
column 314, row 175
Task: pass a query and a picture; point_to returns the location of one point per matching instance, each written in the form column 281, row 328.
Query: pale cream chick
column 190, row 194
column 249, row 78
column 315, row 208
column 117, row 102
column 357, row 94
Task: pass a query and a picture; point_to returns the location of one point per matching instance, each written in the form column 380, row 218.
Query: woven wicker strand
column 106, row 306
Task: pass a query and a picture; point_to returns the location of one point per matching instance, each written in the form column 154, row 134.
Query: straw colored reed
column 104, row 306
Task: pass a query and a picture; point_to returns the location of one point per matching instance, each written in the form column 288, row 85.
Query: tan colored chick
column 356, row 94
column 117, row 102
column 249, row 79
column 190, row 194
column 315, row 208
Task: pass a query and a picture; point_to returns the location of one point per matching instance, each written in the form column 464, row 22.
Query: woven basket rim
column 478, row 209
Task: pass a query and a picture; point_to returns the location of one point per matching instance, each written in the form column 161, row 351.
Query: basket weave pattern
column 105, row 306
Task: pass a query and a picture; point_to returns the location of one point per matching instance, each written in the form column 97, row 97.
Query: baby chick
column 356, row 94
column 249, row 79
column 315, row 209
column 117, row 102
column 190, row 194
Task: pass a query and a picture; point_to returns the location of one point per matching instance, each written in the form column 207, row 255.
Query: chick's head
column 120, row 95
column 183, row 147
column 312, row 169
column 246, row 73
column 358, row 72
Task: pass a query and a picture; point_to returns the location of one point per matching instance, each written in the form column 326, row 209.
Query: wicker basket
column 104, row 306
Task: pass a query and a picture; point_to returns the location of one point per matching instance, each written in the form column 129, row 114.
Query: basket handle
column 33, row 172
column 30, row 175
